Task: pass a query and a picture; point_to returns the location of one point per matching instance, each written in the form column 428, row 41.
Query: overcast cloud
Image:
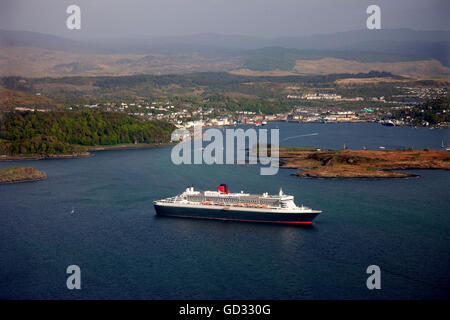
column 264, row 18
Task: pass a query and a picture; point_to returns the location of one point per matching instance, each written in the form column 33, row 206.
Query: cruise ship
column 226, row 206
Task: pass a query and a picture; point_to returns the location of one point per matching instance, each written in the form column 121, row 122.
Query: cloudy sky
column 263, row 18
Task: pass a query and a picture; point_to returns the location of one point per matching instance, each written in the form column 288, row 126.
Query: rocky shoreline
column 40, row 157
column 20, row 174
column 87, row 153
column 129, row 146
column 381, row 175
column 362, row 164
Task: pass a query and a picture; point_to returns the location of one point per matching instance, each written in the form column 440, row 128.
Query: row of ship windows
column 231, row 200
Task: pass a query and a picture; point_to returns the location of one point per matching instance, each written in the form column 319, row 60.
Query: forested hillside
column 66, row 132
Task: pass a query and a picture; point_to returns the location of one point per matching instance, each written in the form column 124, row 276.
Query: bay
column 126, row 252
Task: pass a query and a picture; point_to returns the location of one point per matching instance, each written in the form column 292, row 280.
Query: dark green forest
column 433, row 111
column 58, row 132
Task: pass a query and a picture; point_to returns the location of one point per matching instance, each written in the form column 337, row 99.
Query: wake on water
column 302, row 135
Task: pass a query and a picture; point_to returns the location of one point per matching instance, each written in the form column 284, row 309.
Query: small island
column 20, row 174
column 361, row 163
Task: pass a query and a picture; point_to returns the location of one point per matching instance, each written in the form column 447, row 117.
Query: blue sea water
column 126, row 252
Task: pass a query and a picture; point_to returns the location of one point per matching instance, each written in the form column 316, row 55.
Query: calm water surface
column 125, row 252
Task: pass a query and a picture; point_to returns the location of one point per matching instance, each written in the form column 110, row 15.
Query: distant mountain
column 271, row 58
column 340, row 40
column 205, row 43
column 439, row 50
column 215, row 52
column 39, row 40
column 403, row 42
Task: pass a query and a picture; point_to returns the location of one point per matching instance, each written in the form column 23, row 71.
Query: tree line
column 59, row 132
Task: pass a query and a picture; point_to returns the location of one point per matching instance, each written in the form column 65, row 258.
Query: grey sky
column 266, row 18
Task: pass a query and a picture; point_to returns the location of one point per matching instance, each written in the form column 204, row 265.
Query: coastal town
column 401, row 106
column 182, row 117
column 386, row 112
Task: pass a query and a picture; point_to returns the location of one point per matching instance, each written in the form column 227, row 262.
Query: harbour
column 126, row 251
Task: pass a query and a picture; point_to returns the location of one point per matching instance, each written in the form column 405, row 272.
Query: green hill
column 50, row 133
